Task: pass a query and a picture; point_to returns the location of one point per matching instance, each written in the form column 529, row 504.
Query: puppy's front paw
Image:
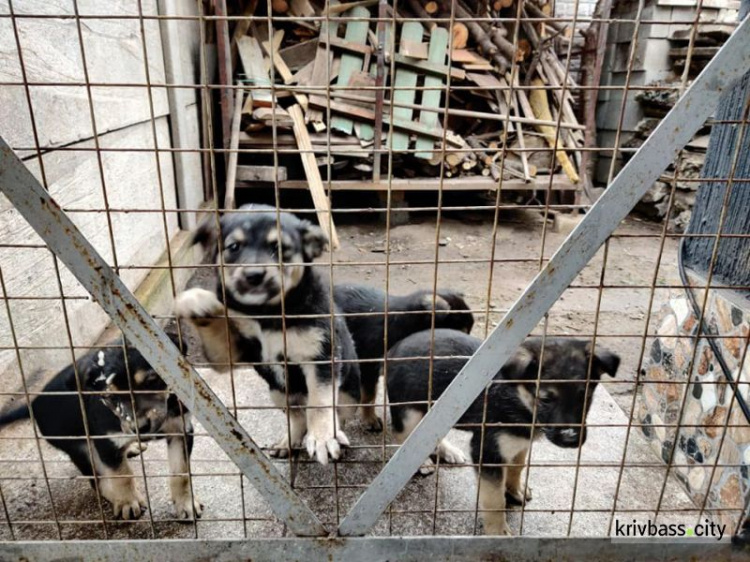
column 134, row 449
column 515, row 497
column 129, row 507
column 187, row 507
column 282, row 450
column 495, row 525
column 323, row 439
column 198, row 305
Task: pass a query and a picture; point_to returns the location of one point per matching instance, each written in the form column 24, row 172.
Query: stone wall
column 712, row 457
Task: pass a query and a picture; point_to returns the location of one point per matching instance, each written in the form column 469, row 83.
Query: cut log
column 431, row 8
column 280, row 6
column 460, row 35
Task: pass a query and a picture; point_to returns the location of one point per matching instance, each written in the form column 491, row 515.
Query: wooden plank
column 314, row 180
column 347, row 46
column 286, row 74
column 360, row 83
column 414, row 50
column 321, row 73
column 429, row 68
column 472, row 183
column 369, row 115
column 405, row 81
column 301, row 8
column 300, row 55
column 234, row 143
column 341, row 8
column 266, row 139
column 304, row 74
column 431, row 98
column 489, row 81
column 540, row 107
column 251, row 56
column 465, row 56
column 224, row 55
column 269, row 174
column 356, row 32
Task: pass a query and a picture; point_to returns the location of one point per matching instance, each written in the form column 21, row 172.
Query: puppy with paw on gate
column 555, row 397
column 407, row 315
column 119, row 424
column 267, row 270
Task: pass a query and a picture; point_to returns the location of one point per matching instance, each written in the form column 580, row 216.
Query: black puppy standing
column 117, row 430
column 255, row 284
column 407, row 315
column 560, row 406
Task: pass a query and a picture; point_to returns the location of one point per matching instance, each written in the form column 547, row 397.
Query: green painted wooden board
column 356, row 32
column 405, row 78
column 431, row 98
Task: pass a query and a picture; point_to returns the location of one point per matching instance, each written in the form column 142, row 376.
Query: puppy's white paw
column 323, row 439
column 197, row 305
column 187, row 507
column 129, row 507
column 494, row 525
column 427, row 468
column 134, row 449
column 282, row 450
column 450, row 453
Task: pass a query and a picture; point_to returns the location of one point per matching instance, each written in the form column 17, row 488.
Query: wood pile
column 328, row 77
column 655, row 103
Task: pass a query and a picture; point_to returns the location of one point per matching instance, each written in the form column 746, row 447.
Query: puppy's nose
column 572, row 436
column 254, row 276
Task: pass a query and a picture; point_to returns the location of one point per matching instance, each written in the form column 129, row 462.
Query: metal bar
column 404, row 549
column 677, row 128
column 67, row 242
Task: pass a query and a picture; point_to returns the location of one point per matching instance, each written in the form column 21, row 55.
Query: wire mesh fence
column 445, row 150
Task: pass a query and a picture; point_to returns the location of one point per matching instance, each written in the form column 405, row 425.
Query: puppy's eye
column 547, row 398
column 233, row 247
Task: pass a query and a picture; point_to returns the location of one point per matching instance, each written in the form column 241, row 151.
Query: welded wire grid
column 614, row 302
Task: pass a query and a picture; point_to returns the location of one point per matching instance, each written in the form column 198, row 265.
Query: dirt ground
column 464, row 250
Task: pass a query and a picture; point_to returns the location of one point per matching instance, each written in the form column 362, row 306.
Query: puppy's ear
column 314, row 241
column 207, row 235
column 605, row 361
column 93, row 376
column 520, row 366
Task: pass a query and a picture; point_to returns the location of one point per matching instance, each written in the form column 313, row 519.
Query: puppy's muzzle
column 568, row 437
column 252, row 277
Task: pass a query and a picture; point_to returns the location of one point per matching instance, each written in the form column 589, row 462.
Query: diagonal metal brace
column 637, row 177
column 67, row 242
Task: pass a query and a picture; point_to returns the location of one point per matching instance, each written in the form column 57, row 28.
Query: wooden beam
column 269, row 174
column 430, row 68
column 252, row 61
column 234, row 144
column 314, row 181
column 473, row 183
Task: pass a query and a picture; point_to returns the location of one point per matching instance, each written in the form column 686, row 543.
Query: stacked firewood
column 369, row 79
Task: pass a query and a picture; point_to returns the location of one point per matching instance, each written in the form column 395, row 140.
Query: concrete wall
column 114, row 55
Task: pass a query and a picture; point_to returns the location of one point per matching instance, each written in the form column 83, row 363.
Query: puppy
column 256, row 288
column 560, row 406
column 116, row 420
column 368, row 332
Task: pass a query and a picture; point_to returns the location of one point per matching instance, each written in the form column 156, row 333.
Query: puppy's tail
column 20, row 413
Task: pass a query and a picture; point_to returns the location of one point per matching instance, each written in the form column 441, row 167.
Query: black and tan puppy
column 295, row 355
column 119, row 424
column 368, row 330
column 561, row 400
